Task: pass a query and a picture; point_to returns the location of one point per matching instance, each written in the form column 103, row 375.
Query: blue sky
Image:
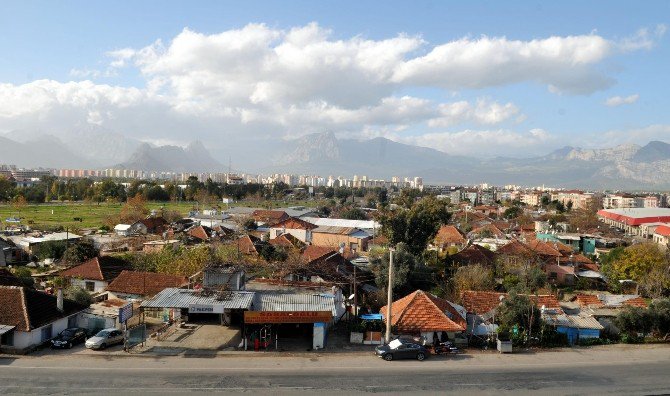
column 60, row 42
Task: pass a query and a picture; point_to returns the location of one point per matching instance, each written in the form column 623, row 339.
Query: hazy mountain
column 624, row 166
column 46, row 151
column 323, row 153
column 653, row 151
column 98, row 145
column 193, row 158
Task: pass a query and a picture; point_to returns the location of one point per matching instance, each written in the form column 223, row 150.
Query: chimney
column 59, row 299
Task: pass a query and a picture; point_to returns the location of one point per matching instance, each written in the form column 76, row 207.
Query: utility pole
column 355, row 295
column 389, row 299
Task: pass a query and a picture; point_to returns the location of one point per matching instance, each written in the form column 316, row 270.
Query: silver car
column 105, row 338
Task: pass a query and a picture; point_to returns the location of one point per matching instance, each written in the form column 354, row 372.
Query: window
column 47, row 332
column 7, row 338
column 90, row 286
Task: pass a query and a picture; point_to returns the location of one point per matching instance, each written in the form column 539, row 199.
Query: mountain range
column 628, row 166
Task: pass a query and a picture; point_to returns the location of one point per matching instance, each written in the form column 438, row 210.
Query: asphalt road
column 613, row 370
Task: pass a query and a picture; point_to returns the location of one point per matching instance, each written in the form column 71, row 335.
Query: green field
column 93, row 215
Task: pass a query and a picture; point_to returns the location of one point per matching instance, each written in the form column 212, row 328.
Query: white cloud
column 498, row 142
column 620, row 100
column 264, row 82
column 633, row 135
column 484, row 112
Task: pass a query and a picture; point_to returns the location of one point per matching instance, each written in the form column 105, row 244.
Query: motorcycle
column 446, row 348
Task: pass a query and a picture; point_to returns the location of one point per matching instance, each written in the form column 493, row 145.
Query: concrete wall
column 303, row 235
column 334, row 240
column 25, row 341
column 100, row 286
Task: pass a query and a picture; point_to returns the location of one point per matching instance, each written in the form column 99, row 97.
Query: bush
column 593, row 341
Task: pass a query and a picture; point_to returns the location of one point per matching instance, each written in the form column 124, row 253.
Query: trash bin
column 504, row 346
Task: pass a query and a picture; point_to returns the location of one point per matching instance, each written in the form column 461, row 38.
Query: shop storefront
column 278, row 321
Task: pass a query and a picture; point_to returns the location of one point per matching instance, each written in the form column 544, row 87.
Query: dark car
column 69, row 337
column 399, row 350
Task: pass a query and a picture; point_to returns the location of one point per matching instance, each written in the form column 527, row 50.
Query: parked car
column 69, row 337
column 105, row 338
column 397, row 349
column 410, row 339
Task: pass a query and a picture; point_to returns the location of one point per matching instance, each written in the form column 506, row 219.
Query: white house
column 30, row 318
column 299, row 228
column 137, row 228
column 95, row 274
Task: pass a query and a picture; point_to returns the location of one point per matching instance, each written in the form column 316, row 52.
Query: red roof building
column 145, row 284
column 448, row 236
column 103, row 268
column 422, row 312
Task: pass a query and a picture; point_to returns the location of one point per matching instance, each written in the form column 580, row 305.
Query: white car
column 105, row 338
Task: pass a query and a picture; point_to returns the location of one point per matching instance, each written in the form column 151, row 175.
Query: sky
column 515, row 78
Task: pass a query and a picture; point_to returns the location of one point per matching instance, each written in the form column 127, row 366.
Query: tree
column 80, row 252
column 78, row 295
column 473, row 277
column 50, row 249
column 518, row 312
column 403, row 263
column 415, row 226
column 351, row 214
column 645, row 263
column 6, row 189
column 534, row 279
column 135, row 209
column 512, row 212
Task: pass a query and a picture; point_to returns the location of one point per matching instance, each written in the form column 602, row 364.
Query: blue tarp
column 371, row 317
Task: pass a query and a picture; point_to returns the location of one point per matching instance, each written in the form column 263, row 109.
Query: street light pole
column 389, row 298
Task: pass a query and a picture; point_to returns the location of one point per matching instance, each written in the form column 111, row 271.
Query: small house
column 30, row 318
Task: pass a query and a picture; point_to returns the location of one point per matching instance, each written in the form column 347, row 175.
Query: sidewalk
column 469, row 355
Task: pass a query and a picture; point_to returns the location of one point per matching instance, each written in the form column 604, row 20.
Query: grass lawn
column 93, row 215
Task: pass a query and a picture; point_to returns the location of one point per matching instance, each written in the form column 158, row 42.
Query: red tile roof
column 8, row 279
column 28, row 309
column 474, row 254
column 294, row 223
column 482, row 302
column 636, row 302
column 448, row 234
column 492, row 229
column 104, row 268
column 515, row 248
column 588, row 300
column 247, row 244
column 199, row 232
column 145, row 283
column 663, row 230
column 269, row 217
column 288, row 241
column 155, row 225
column 543, row 248
column 421, row 312
column 314, row 253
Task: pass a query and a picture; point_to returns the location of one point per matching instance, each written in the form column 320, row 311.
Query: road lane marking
column 502, row 365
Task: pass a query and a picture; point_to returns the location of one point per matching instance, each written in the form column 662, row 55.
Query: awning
column 5, row 329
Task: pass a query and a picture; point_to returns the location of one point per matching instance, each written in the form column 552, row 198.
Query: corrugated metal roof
column 6, row 328
column 574, row 321
column 335, row 230
column 363, row 224
column 182, row 298
column 282, row 302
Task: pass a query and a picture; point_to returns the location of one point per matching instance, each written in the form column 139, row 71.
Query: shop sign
column 125, row 312
column 258, row 317
column 205, row 308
